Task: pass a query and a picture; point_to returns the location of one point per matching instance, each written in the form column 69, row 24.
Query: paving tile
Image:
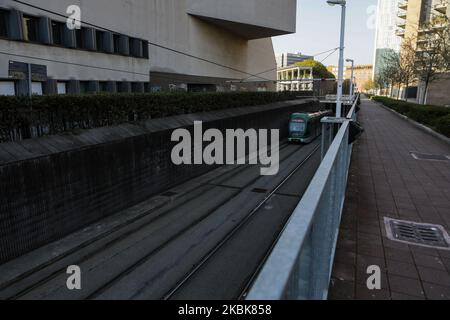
column 404, row 256
column 424, row 251
column 369, row 229
column 446, row 262
column 436, row 292
column 341, row 290
column 371, row 250
column 429, row 261
column 345, row 257
column 366, row 261
column 406, row 286
column 363, row 293
column 434, row 276
column 404, row 297
column 344, row 272
column 402, row 269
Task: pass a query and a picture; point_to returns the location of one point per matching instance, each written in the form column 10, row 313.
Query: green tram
column 305, row 127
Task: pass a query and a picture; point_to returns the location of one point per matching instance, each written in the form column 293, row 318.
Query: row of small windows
column 15, row 25
column 17, row 88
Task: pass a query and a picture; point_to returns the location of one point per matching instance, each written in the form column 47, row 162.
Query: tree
column 391, row 71
column 319, row 70
column 381, row 82
column 407, row 66
column 369, row 86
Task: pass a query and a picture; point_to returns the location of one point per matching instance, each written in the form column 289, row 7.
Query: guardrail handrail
column 300, row 264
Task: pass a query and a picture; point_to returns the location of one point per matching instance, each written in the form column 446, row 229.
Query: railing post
column 324, row 132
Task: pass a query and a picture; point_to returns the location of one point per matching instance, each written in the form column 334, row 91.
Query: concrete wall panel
column 54, row 186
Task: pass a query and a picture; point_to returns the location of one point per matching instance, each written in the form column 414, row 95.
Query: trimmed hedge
column 22, row 118
column 435, row 117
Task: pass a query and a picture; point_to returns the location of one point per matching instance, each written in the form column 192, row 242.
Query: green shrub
column 21, row 117
column 443, row 125
column 432, row 116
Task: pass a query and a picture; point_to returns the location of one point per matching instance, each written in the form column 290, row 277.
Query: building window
column 103, row 86
column 79, row 39
column 36, row 88
column 61, row 88
column 3, row 23
column 116, row 39
column 84, row 86
column 100, row 37
column 58, row 31
column 145, row 52
column 30, row 28
column 7, row 88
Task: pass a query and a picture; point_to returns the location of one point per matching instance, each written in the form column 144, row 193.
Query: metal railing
column 301, row 262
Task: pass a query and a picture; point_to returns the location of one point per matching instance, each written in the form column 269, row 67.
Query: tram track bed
column 205, row 239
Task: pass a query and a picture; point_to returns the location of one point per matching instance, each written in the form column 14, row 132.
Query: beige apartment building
column 414, row 20
column 361, row 73
column 141, row 45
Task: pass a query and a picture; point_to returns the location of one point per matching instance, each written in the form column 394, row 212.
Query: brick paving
column 386, row 181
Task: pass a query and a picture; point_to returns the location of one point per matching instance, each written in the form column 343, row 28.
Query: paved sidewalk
column 386, row 181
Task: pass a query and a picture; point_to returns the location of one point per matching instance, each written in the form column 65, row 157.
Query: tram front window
column 297, row 126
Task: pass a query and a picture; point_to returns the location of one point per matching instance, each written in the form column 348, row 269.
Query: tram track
column 53, row 269
column 242, row 223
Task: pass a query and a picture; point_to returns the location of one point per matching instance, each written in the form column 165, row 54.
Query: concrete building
column 295, row 78
column 418, row 18
column 386, row 38
column 141, row 45
column 361, row 73
column 289, row 59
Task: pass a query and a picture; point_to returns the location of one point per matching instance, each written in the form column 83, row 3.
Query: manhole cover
column 421, row 234
column 430, row 157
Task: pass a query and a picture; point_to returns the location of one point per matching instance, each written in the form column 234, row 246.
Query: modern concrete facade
column 289, row 59
column 386, row 39
column 143, row 45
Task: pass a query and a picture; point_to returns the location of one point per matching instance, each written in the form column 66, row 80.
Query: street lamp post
column 342, row 3
column 352, row 83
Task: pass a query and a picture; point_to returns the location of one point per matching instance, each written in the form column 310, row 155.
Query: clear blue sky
column 318, row 29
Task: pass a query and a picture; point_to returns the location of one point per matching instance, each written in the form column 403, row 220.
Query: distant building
column 289, row 59
column 387, row 38
column 362, row 73
column 295, row 78
column 418, row 19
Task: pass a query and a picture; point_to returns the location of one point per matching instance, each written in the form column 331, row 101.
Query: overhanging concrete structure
column 251, row 19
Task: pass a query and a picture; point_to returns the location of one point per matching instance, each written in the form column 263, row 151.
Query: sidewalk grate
column 430, row 157
column 420, row 234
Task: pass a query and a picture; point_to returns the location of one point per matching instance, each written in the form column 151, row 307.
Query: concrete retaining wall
column 56, row 185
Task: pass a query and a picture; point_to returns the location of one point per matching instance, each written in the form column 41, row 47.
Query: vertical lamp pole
column 342, row 3
column 352, row 83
